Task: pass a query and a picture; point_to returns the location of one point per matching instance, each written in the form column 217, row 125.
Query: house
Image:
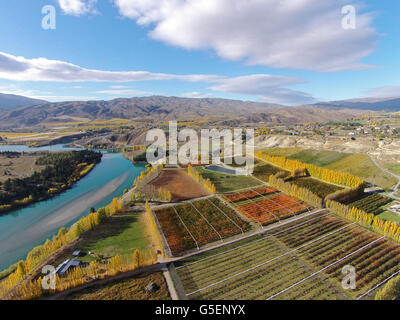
column 66, row 266
column 76, row 253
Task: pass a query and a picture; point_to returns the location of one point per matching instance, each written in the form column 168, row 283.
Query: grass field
column 264, row 171
column 282, row 152
column 390, row 216
column 123, row 234
column 320, row 158
column 395, row 168
column 392, row 166
column 128, row 289
column 361, row 165
column 358, row 164
column 233, row 163
column 120, row 234
column 225, row 182
column 320, row 188
column 300, row 260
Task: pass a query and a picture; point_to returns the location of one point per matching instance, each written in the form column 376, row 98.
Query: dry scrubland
column 128, row 289
column 18, row 167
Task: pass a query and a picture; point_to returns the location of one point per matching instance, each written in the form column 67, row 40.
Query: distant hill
column 168, row 108
column 10, row 101
column 373, row 104
column 155, row 107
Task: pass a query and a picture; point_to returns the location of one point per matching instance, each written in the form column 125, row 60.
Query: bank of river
column 23, row 229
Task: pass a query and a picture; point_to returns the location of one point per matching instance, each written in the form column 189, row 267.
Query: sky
column 289, row 52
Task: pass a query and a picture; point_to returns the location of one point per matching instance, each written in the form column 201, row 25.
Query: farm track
column 397, row 187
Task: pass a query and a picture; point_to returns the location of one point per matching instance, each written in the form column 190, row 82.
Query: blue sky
column 262, row 50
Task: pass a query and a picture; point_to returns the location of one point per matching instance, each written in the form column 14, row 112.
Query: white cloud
column 42, row 69
column 196, row 94
column 132, row 92
column 119, row 87
column 264, row 86
column 55, row 98
column 37, row 94
column 14, row 89
column 300, row 34
column 384, row 92
column 267, row 87
column 77, row 7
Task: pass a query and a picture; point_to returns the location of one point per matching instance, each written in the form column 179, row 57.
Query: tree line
column 368, row 220
column 206, row 183
column 297, row 167
column 295, row 190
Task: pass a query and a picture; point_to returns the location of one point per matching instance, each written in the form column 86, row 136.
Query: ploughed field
column 265, row 205
column 302, row 259
column 195, row 224
column 181, row 186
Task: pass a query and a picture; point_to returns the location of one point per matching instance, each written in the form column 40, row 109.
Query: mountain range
column 168, row 108
column 11, row 101
column 373, row 104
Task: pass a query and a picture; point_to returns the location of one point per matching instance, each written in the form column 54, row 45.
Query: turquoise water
column 23, row 229
column 220, row 169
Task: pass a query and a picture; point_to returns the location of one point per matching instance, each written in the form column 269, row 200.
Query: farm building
column 67, row 265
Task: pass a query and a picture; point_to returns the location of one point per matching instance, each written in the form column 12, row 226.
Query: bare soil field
column 182, row 186
column 127, row 289
column 18, row 166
